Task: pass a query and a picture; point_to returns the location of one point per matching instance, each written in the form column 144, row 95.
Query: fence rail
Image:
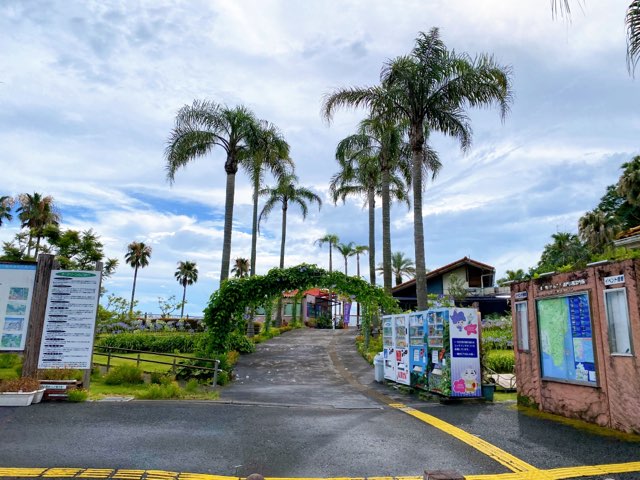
column 109, row 354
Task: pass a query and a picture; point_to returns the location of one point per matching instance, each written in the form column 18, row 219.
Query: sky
column 89, row 91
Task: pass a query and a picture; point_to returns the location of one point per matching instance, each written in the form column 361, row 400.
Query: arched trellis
column 234, row 295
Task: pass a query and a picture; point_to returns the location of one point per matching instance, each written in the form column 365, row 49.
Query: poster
column 465, row 353
column 70, row 319
column 16, row 290
column 566, row 341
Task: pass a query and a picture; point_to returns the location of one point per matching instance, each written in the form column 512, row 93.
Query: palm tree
column 332, row 240
column 137, row 256
column 6, row 204
column 346, row 250
column 240, row 267
column 201, row 127
column 186, row 274
column 429, row 89
column 285, row 192
column 629, row 183
column 598, row 230
column 379, row 145
column 402, row 267
column 271, row 153
column 512, row 276
column 36, row 212
column 565, row 249
column 632, row 21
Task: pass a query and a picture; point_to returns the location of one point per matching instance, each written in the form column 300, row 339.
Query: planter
column 57, row 389
column 37, row 398
column 487, row 391
column 16, row 399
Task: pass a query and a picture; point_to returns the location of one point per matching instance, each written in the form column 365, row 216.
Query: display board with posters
column 70, row 319
column 16, row 290
column 464, row 348
column 566, row 341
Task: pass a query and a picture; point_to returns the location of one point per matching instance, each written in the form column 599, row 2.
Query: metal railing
column 173, row 365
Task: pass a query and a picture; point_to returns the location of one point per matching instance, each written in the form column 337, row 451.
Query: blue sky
column 89, row 92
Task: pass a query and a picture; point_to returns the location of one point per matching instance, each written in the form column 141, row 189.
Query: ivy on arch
column 228, row 303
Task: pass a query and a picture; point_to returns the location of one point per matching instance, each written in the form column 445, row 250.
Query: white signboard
column 614, row 280
column 16, row 289
column 70, row 320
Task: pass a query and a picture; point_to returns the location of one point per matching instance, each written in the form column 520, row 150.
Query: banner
column 347, row 314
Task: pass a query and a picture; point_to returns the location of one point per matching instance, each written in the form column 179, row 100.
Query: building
column 475, row 277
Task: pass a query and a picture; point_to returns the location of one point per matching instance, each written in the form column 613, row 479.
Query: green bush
column 192, row 386
column 123, row 375
column 154, row 342
column 60, row 374
column 160, row 378
column 240, row 343
column 9, row 360
column 161, row 392
column 324, row 321
column 500, row 361
column 77, row 395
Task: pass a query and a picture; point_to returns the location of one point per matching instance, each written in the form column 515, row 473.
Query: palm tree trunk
column 228, row 222
column 282, row 242
column 372, row 236
column 29, row 245
column 254, row 226
column 184, row 296
column 358, row 272
column 417, row 142
column 133, row 290
column 37, row 246
column 386, row 231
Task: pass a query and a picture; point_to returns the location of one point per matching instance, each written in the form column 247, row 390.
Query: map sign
column 70, row 319
column 16, row 289
column 566, row 342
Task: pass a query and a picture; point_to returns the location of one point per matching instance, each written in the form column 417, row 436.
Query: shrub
column 223, row 378
column 192, row 386
column 60, row 374
column 240, row 343
column 324, row 321
column 500, row 361
column 123, row 375
column 161, row 392
column 77, row 395
column 154, row 342
column 19, row 385
column 160, row 378
column 285, row 328
column 9, row 360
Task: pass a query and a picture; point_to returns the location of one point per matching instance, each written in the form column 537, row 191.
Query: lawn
column 145, row 366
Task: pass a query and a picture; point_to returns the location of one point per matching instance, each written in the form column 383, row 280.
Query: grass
column 99, row 390
column 505, row 396
column 145, row 366
column 8, row 373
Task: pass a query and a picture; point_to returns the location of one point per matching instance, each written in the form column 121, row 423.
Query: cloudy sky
column 89, row 92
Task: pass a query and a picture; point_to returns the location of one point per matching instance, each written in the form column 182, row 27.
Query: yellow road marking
column 511, row 462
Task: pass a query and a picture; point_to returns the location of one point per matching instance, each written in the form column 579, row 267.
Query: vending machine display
column 388, row 348
column 401, row 334
column 418, row 349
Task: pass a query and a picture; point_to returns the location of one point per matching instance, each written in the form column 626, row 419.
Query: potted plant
column 19, row 392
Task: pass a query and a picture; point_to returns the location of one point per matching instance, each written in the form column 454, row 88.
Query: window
column 618, row 320
column 522, row 326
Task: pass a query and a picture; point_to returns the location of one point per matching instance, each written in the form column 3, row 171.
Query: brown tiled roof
column 446, row 268
column 629, row 233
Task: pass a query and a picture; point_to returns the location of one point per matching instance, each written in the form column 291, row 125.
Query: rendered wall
column 615, row 401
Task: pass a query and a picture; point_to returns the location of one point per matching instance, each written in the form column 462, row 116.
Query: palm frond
column 632, row 20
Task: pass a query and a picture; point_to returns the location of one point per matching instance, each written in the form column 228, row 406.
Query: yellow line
column 511, row 462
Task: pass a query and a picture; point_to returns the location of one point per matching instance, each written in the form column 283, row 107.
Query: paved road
column 305, row 405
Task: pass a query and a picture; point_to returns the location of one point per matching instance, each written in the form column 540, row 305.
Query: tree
column 598, row 230
column 632, row 22
column 629, row 182
column 201, row 127
column 186, row 274
column 6, row 204
column 379, row 158
column 138, row 255
column 512, row 276
column 346, row 250
column 332, row 240
column 286, row 192
column 429, row 89
column 35, row 213
column 271, row 153
column 565, row 251
column 241, row 267
column 401, row 267
column 617, row 206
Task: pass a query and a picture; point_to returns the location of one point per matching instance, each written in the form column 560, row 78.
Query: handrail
column 157, row 353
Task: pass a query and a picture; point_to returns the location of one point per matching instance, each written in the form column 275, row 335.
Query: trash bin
column 378, row 366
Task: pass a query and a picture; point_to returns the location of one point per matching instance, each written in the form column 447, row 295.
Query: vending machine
column 453, row 343
column 388, row 348
column 401, row 334
column 418, row 349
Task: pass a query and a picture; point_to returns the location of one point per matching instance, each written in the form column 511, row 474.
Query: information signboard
column 566, row 342
column 16, row 290
column 70, row 318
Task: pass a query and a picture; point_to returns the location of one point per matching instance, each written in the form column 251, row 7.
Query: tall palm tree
column 380, row 144
column 284, row 193
column 598, row 230
column 138, row 255
column 632, row 21
column 186, row 274
column 629, row 183
column 428, row 89
column 241, row 267
column 6, row 204
column 271, row 153
column 332, row 239
column 512, row 276
column 402, row 267
column 201, row 127
column 346, row 250
column 37, row 212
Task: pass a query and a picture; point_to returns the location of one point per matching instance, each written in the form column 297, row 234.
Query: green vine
column 227, row 304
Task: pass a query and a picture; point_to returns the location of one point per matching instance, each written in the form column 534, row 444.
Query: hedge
column 153, row 342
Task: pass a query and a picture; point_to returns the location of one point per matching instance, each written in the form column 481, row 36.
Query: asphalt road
column 304, row 405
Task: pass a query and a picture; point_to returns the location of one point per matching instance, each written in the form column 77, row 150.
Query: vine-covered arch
column 235, row 295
